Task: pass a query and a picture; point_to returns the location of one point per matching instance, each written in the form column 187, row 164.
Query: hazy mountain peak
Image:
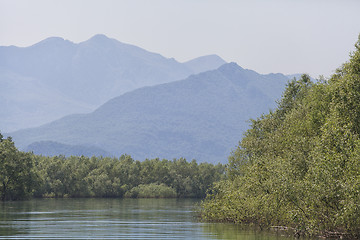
column 52, row 41
column 230, row 67
column 210, row 57
column 205, row 63
column 57, row 77
column 101, row 41
column 100, row 38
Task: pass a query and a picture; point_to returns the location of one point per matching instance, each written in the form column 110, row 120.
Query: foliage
column 17, row 175
column 25, row 174
column 298, row 166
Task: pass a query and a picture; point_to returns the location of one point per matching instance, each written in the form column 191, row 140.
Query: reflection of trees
column 236, row 231
column 14, row 218
column 98, row 218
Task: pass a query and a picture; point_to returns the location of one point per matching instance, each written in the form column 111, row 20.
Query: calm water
column 112, row 219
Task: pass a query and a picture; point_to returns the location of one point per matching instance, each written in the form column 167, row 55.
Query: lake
column 114, row 219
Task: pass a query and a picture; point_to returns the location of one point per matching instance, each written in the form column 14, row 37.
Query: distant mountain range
column 56, row 77
column 120, row 99
column 201, row 117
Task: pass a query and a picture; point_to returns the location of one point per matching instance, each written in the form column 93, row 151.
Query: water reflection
column 237, row 232
column 111, row 219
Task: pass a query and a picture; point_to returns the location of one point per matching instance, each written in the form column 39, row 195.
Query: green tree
column 298, row 166
column 17, row 175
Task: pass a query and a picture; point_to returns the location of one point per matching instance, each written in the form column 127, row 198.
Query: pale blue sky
column 288, row 36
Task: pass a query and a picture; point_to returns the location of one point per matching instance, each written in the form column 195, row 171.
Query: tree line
column 24, row 175
column 299, row 165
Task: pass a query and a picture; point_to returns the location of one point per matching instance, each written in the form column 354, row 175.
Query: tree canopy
column 24, row 175
column 17, row 176
column 298, row 166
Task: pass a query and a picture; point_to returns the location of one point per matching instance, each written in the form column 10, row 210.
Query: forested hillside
column 298, row 166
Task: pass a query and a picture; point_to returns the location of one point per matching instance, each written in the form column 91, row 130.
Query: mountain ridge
column 80, row 76
column 201, row 117
column 204, row 63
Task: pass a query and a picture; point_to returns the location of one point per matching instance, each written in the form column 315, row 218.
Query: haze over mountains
column 104, row 97
column 202, row 117
column 56, row 77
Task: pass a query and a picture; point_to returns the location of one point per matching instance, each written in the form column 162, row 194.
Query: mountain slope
column 56, row 77
column 204, row 63
column 202, row 117
column 50, row 148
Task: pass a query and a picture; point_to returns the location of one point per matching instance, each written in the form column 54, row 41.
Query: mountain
column 202, row 117
column 204, row 63
column 56, row 77
column 50, row 148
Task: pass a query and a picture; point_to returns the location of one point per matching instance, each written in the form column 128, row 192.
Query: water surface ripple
column 113, row 219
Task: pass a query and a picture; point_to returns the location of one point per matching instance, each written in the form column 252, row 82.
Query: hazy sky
column 288, row 36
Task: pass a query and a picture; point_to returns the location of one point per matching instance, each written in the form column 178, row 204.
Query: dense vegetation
column 23, row 175
column 17, row 176
column 299, row 165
